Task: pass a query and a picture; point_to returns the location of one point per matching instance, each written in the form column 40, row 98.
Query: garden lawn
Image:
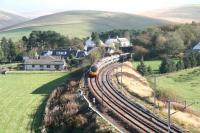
column 185, row 84
column 22, row 99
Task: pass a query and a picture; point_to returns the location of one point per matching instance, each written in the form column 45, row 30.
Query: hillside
column 185, row 14
column 8, row 19
column 81, row 23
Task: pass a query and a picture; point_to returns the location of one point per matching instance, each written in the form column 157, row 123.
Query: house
column 46, row 53
column 89, row 44
column 123, row 42
column 48, row 63
column 80, row 54
column 64, row 52
column 196, row 47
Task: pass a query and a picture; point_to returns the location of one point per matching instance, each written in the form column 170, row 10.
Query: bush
column 149, row 69
column 142, row 69
column 180, row 65
column 193, row 59
column 186, row 62
column 167, row 65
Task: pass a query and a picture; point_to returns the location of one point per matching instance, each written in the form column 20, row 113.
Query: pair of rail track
column 135, row 116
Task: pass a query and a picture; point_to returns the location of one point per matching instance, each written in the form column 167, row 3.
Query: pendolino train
column 94, row 69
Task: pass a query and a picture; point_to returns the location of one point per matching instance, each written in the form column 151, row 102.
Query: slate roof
column 45, row 60
column 197, row 47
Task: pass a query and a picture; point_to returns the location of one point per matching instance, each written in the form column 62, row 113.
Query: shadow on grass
column 45, row 90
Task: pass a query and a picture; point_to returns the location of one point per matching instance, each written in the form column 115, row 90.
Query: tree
column 167, row 65
column 187, row 62
column 180, row 65
column 142, row 69
column 12, row 51
column 127, row 35
column 149, row 69
column 1, row 54
column 198, row 59
column 5, row 48
column 174, row 44
column 95, row 38
column 192, row 58
column 140, row 51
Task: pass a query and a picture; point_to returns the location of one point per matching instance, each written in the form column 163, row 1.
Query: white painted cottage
column 47, row 63
column 111, row 42
column 89, row 44
column 196, row 47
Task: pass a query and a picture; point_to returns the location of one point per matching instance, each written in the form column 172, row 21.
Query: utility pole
column 154, row 93
column 121, row 71
column 169, row 116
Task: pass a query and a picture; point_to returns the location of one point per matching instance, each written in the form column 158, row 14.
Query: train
column 94, row 69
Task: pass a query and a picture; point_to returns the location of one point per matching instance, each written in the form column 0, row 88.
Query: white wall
column 37, row 67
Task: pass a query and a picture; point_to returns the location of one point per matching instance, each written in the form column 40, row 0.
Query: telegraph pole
column 154, row 93
column 169, row 116
column 121, row 71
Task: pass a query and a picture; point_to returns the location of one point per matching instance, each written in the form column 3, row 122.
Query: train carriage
column 93, row 72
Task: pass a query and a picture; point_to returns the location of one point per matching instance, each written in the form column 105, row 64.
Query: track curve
column 131, row 113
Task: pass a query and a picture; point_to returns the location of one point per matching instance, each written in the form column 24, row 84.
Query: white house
column 111, row 42
column 196, row 47
column 48, row 63
column 90, row 44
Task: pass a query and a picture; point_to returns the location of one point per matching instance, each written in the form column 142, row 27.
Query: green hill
column 8, row 19
column 81, row 23
column 184, row 14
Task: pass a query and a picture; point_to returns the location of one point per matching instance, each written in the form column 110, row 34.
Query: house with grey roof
column 196, row 47
column 123, row 42
column 47, row 63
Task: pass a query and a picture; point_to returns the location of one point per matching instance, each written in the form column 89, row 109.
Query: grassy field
column 185, row 84
column 22, row 99
column 81, row 23
column 12, row 65
column 154, row 64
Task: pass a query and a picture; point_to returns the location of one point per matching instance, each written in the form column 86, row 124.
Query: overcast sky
column 35, row 8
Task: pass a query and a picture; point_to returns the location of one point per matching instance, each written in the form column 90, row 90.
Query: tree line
column 168, row 64
column 37, row 41
column 159, row 41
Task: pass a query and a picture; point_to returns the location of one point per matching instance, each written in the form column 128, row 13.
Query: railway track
column 134, row 115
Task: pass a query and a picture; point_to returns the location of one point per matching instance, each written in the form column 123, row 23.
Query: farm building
column 196, row 47
column 48, row 63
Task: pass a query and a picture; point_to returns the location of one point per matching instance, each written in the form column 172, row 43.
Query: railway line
column 136, row 117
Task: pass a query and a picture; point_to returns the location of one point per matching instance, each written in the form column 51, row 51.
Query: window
column 57, row 67
column 33, row 66
column 48, row 66
column 41, row 66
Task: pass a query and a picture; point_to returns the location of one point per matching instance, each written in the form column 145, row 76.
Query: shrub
column 167, row 65
column 186, row 62
column 180, row 65
column 149, row 69
column 142, row 69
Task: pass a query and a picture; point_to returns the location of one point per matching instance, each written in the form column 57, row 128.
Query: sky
column 35, row 8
